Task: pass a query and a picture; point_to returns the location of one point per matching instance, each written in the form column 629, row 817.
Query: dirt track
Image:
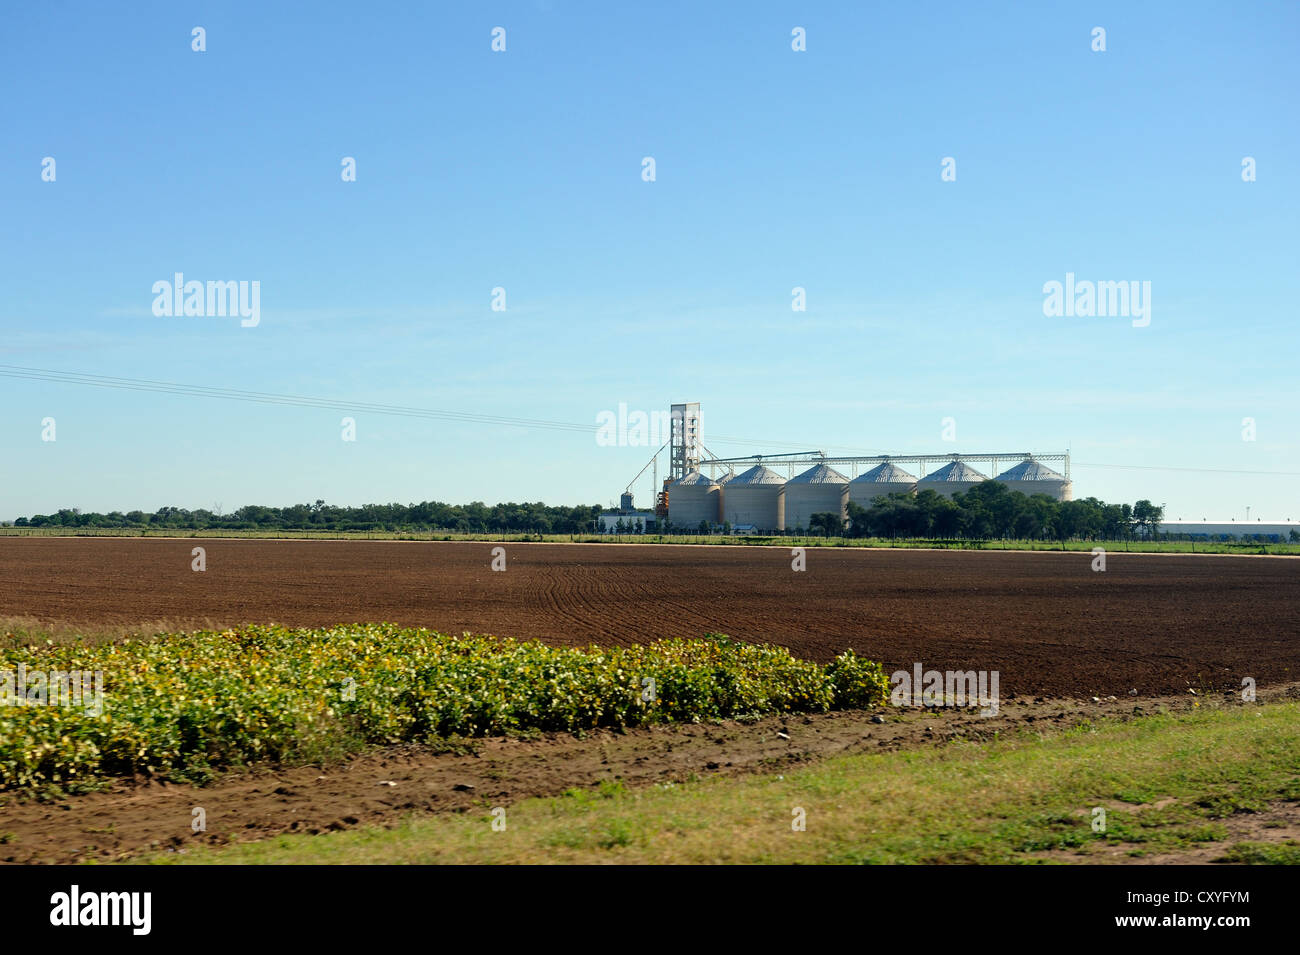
column 1045, row 621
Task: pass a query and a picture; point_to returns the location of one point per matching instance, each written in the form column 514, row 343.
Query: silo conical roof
column 756, row 475
column 692, row 479
column 1030, row 470
column 819, row 474
column 954, row 472
column 886, row 473
column 1032, row 477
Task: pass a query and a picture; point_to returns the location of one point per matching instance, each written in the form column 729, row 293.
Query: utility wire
column 333, row 404
column 1157, row 467
column 305, row 401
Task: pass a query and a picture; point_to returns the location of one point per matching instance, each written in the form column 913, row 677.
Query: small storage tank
column 693, row 498
column 1033, row 477
column 883, row 479
column 953, row 478
column 819, row 490
column 757, row 497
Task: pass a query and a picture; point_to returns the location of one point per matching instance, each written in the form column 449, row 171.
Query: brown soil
column 139, row 816
column 1045, row 621
column 1278, row 824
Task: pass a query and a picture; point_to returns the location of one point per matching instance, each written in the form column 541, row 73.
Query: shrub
column 184, row 705
column 858, row 683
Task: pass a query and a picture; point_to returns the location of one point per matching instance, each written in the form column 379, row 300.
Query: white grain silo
column 954, row 477
column 883, row 479
column 819, row 490
column 723, row 481
column 691, row 499
column 1034, row 477
column 756, row 497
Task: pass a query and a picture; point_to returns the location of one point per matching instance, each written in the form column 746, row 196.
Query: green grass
column 1024, row 799
column 1261, row 853
column 1133, row 546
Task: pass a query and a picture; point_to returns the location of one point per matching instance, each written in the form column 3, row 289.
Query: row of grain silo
column 760, row 498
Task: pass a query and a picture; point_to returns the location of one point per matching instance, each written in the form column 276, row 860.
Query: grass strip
column 1167, row 783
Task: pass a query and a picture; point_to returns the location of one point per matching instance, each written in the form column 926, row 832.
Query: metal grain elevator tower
column 684, row 439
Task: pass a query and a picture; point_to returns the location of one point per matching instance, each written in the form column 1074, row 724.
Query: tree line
column 986, row 511
column 476, row 517
column 993, row 510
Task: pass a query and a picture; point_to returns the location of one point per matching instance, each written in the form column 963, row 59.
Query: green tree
column 947, row 520
column 1148, row 516
column 828, row 523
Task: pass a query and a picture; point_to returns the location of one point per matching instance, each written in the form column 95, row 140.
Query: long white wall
column 1233, row 528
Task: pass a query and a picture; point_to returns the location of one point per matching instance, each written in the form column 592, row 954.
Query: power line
column 334, row 404
column 1157, row 467
column 231, row 394
column 306, row 401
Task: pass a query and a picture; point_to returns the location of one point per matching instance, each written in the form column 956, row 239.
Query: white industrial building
column 608, row 522
column 704, row 487
column 1214, row 530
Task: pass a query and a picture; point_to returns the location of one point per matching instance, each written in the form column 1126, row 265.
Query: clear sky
column 522, row 169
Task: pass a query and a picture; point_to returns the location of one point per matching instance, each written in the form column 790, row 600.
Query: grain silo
column 755, row 497
column 1034, row 477
column 819, row 490
column 953, row 478
column 883, row 479
column 723, row 481
column 693, row 498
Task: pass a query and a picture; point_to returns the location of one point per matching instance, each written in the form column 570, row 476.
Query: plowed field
column 1048, row 623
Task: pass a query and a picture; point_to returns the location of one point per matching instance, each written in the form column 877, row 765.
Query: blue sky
column 523, row 170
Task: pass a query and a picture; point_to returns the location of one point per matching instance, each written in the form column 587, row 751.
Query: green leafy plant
column 185, row 705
